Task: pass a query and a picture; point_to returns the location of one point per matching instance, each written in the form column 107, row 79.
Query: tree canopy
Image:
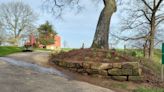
column 46, row 34
column 16, row 18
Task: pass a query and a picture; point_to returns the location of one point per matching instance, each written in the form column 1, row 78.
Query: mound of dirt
column 94, row 55
column 98, row 55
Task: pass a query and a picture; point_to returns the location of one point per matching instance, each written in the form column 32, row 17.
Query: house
column 57, row 43
column 32, row 41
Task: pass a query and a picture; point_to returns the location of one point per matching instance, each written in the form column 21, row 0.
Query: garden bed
column 97, row 62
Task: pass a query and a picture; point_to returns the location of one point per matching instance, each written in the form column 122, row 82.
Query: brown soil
column 149, row 78
column 95, row 55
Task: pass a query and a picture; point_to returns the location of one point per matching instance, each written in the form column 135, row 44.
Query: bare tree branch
column 17, row 17
column 144, row 1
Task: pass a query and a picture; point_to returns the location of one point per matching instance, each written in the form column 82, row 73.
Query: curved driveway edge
column 19, row 79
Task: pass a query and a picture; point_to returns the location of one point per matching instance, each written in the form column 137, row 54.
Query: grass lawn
column 42, row 49
column 142, row 89
column 63, row 49
column 67, row 49
column 6, row 50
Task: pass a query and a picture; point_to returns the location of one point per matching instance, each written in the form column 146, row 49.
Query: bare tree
column 102, row 30
column 17, row 18
column 143, row 20
column 1, row 35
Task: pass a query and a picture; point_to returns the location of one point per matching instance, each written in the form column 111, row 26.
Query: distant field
column 139, row 53
column 5, row 50
column 67, row 49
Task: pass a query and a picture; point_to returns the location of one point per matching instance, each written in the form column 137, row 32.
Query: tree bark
column 146, row 50
column 152, row 35
column 102, row 31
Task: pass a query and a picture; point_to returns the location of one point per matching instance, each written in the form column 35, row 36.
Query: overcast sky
column 74, row 29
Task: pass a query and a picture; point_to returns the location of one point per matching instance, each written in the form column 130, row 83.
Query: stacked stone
column 104, row 69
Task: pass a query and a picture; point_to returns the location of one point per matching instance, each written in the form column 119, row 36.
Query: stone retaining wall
column 104, row 69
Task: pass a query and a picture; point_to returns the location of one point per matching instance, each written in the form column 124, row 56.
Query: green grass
column 119, row 85
column 142, row 89
column 132, row 52
column 63, row 49
column 67, row 49
column 42, row 49
column 155, row 65
column 157, row 55
column 6, row 50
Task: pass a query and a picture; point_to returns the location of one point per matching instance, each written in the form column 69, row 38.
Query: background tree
column 102, row 30
column 142, row 21
column 2, row 33
column 17, row 18
column 46, row 34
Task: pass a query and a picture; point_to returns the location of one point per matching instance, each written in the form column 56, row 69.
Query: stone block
column 61, row 63
column 101, row 66
column 92, row 71
column 103, row 72
column 70, row 65
column 117, row 65
column 115, row 72
column 126, row 72
column 130, row 65
column 87, row 65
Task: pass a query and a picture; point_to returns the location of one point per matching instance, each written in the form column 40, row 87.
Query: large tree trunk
column 151, row 49
column 17, row 36
column 102, row 31
column 152, row 35
column 146, row 50
column 15, row 41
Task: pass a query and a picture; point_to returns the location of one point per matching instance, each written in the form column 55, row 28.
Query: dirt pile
column 109, row 56
column 94, row 55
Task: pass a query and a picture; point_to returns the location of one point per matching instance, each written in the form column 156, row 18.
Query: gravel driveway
column 15, row 78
